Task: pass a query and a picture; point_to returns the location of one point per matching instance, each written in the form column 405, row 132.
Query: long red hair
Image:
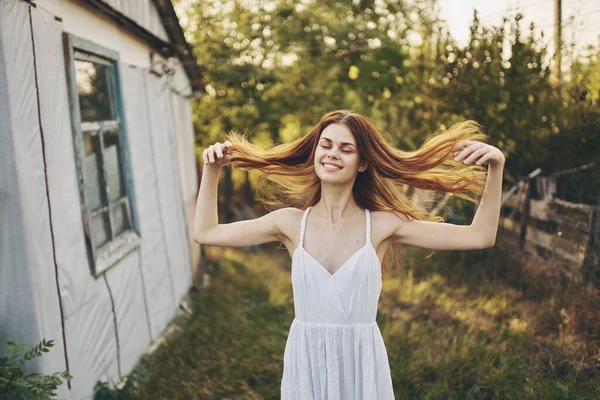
column 383, row 185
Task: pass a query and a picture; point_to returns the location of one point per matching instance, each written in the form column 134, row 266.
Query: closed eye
column 343, row 151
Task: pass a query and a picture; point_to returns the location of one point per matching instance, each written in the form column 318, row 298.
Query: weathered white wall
column 89, row 24
column 143, row 12
column 45, row 237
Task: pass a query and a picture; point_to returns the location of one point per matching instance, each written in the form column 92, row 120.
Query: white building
column 98, row 180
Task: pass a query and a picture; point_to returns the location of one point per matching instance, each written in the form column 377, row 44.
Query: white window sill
column 114, row 251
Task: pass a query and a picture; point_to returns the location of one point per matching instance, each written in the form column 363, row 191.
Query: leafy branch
column 17, row 384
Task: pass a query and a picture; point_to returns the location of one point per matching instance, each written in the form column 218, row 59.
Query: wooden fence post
column 525, row 212
column 530, row 179
column 590, row 267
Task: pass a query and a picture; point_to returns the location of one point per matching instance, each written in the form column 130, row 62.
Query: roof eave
column 178, row 46
column 184, row 50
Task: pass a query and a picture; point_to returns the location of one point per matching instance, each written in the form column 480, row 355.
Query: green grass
column 459, row 325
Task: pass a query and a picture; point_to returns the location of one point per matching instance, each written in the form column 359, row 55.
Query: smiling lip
column 338, row 167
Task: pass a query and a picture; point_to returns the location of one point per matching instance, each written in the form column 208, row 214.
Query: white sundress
column 334, row 350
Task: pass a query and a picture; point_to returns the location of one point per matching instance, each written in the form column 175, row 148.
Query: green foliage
column 275, row 68
column 16, row 384
column 125, row 389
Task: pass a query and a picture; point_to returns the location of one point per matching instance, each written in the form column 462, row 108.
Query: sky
column 584, row 29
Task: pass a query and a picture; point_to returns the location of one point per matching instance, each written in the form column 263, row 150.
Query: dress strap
column 303, row 226
column 368, row 217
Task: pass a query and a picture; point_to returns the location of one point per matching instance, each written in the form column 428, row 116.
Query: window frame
column 107, row 255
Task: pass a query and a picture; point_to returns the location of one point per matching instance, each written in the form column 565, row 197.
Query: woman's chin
column 332, row 178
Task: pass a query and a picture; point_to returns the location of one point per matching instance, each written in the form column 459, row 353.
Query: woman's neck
column 336, row 209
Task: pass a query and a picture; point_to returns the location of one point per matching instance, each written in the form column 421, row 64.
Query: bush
column 125, row 389
column 17, row 384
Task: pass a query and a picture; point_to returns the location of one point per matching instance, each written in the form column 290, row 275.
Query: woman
column 349, row 181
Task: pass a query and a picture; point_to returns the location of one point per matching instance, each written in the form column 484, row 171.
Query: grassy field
column 458, row 325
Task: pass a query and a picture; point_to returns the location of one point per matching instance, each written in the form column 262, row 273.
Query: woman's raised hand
column 217, row 154
column 474, row 150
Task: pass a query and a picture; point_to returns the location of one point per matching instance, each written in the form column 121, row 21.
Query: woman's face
column 337, row 148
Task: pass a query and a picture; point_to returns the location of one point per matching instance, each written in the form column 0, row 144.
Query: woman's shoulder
column 288, row 211
column 386, row 223
column 386, row 215
column 287, row 217
column 288, row 220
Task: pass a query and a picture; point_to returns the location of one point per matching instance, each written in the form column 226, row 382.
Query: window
column 101, row 152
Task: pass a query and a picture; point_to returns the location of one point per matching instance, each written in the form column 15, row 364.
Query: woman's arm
column 207, row 229
column 481, row 233
column 206, row 216
column 487, row 216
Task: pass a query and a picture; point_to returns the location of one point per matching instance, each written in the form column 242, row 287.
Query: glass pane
column 93, row 170
column 120, row 220
column 93, row 90
column 100, row 229
column 112, row 165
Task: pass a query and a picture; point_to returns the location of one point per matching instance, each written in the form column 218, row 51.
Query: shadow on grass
column 232, row 346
